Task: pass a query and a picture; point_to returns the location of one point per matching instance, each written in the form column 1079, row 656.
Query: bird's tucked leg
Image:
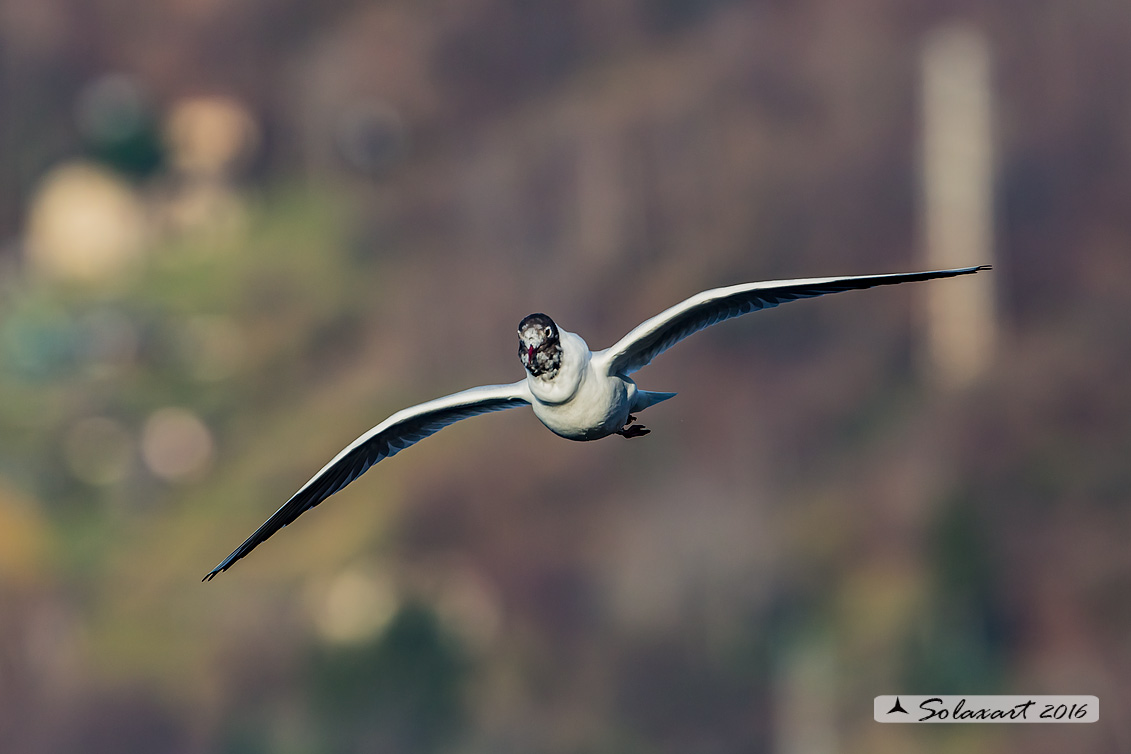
column 632, row 430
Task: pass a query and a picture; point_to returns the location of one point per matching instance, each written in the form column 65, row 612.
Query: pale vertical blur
column 958, row 167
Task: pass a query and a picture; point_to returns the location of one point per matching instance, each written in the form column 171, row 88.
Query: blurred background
column 234, row 236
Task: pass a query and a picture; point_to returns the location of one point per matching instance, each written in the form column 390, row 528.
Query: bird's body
column 584, row 401
column 590, row 405
column 577, row 393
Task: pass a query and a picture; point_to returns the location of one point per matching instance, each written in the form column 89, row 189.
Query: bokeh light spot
column 85, row 224
column 354, row 607
column 176, row 444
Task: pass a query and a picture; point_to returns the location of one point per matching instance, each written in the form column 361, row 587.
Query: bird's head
column 539, row 347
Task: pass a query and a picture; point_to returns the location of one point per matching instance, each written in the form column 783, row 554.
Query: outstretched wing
column 648, row 340
column 402, row 429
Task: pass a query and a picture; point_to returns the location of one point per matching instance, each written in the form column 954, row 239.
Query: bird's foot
column 635, row 430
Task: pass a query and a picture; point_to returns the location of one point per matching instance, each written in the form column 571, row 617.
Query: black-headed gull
column 577, row 393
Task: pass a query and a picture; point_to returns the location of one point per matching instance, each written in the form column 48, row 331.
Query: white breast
column 578, row 403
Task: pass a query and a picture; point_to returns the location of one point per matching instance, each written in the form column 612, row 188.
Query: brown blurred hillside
column 236, row 236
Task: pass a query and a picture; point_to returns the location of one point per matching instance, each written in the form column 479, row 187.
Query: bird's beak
column 530, row 354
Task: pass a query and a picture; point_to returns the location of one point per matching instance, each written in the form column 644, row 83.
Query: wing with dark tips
column 388, row 438
column 651, row 338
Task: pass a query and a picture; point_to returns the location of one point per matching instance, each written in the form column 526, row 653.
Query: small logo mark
column 986, row 709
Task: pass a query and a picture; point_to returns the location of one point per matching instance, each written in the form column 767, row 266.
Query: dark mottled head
column 539, row 348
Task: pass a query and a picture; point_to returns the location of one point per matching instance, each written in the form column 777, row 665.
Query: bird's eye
column 549, row 332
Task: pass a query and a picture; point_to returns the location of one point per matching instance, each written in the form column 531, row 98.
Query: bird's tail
column 646, row 398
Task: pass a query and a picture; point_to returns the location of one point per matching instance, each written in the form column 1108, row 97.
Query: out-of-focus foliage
column 235, row 236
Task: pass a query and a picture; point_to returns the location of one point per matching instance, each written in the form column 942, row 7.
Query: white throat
column 563, row 385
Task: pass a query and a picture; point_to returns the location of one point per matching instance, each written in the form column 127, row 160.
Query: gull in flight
column 577, row 393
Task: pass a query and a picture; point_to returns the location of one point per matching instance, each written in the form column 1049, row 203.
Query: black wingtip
column 217, row 570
